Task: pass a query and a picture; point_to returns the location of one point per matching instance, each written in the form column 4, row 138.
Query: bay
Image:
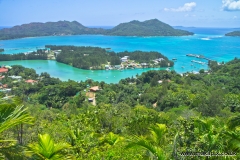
column 209, row 42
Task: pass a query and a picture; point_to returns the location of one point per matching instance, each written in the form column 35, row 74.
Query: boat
column 190, row 55
column 174, row 59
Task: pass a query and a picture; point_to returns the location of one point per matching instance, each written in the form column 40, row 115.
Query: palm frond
column 158, row 132
column 47, row 149
column 234, row 122
column 234, row 140
column 12, row 152
column 143, row 143
column 10, row 116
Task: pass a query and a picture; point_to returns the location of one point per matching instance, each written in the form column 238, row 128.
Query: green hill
column 47, row 29
column 152, row 27
column 234, row 33
column 134, row 28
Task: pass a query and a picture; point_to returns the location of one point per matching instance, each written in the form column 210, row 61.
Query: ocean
column 209, row 42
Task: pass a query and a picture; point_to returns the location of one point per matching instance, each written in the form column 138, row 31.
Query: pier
column 198, row 56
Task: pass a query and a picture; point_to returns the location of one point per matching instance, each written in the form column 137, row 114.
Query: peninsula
column 233, row 34
column 152, row 27
column 94, row 58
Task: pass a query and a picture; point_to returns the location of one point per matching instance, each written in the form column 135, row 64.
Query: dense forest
column 97, row 58
column 157, row 115
column 234, row 34
column 152, row 27
column 38, row 55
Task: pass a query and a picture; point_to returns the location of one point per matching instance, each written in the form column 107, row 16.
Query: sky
column 188, row 13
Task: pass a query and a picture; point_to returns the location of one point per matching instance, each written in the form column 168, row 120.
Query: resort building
column 124, row 59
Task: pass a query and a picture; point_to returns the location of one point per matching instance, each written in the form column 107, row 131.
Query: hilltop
column 47, row 29
column 234, row 34
column 152, row 27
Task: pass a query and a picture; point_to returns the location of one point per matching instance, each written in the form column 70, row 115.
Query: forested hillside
column 47, row 29
column 157, row 115
column 151, row 27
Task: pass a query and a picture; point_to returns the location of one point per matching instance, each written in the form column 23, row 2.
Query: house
column 31, row 81
column 124, row 59
column 3, row 70
column 3, row 85
column 94, row 89
column 1, row 77
column 107, row 67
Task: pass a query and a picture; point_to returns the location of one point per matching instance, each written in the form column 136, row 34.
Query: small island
column 94, row 58
column 152, row 27
column 1, row 50
column 99, row 58
column 233, row 34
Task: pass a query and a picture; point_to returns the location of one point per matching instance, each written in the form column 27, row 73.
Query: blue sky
column 198, row 13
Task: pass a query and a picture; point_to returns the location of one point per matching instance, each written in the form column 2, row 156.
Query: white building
column 124, row 59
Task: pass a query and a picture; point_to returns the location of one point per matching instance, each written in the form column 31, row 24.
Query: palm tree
column 233, row 134
column 234, row 122
column 12, row 115
column 111, row 139
column 154, row 144
column 209, row 134
column 46, row 149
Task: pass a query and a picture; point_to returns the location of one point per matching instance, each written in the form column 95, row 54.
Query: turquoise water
column 213, row 45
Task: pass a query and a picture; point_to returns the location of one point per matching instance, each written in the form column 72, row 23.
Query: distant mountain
column 234, row 33
column 152, row 27
column 47, row 29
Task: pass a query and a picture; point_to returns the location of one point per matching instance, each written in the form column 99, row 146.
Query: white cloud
column 185, row 8
column 231, row 5
column 235, row 17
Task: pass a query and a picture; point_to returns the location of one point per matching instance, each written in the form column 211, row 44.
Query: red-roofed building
column 3, row 70
column 94, row 89
column 31, row 81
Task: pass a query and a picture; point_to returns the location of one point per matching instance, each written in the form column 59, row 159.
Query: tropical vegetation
column 155, row 115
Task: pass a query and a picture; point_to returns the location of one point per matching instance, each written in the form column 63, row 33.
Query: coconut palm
column 46, row 149
column 153, row 144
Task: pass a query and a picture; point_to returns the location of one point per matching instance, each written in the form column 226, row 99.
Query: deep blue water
column 209, row 42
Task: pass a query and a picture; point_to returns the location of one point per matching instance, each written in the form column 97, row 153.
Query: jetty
column 199, row 62
column 198, row 56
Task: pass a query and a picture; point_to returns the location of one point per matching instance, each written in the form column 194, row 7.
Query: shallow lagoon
column 214, row 46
